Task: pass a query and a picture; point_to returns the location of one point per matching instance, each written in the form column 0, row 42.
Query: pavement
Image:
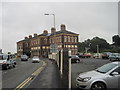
column 48, row 78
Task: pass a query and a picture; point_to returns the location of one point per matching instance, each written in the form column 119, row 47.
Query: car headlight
column 86, row 79
column 4, row 62
column 83, row 79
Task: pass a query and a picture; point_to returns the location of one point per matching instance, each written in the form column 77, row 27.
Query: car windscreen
column 74, row 57
column 114, row 54
column 106, row 68
column 35, row 57
column 24, row 56
column 2, row 57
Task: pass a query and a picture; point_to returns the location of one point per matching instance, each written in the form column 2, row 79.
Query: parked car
column 105, row 55
column 104, row 78
column 24, row 58
column 97, row 55
column 114, row 56
column 79, row 55
column 35, row 59
column 6, row 61
column 75, row 59
column 86, row 56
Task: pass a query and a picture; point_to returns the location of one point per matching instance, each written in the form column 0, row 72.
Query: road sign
column 53, row 48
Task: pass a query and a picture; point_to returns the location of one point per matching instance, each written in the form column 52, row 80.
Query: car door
column 114, row 80
column 118, row 56
column 9, row 61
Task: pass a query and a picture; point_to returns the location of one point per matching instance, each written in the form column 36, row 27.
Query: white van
column 6, row 61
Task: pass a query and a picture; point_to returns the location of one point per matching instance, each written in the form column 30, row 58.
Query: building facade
column 44, row 44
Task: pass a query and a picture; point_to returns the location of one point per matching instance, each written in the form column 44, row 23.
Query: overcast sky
column 88, row 19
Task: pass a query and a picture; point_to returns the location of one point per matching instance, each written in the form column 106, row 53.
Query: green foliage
column 92, row 44
column 102, row 44
column 116, row 40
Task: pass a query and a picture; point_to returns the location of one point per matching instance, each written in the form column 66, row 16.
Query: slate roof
column 43, row 34
column 63, row 31
column 51, row 34
column 23, row 40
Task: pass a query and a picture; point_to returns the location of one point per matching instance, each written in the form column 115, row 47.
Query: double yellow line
column 39, row 69
column 23, row 83
column 30, row 78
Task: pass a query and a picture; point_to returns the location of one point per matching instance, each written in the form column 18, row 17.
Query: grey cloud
column 87, row 19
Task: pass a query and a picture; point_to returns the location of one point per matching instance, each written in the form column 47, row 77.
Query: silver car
column 24, row 58
column 35, row 59
column 105, row 77
column 114, row 56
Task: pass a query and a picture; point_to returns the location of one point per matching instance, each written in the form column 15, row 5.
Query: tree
column 92, row 44
column 81, row 47
column 102, row 43
column 116, row 40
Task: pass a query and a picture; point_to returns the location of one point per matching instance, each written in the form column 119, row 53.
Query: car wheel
column 13, row 66
column 15, row 63
column 7, row 67
column 98, row 86
column 77, row 61
column 117, row 59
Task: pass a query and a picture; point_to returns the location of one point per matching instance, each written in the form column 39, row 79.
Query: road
column 12, row 78
column 86, row 65
column 29, row 75
column 26, row 74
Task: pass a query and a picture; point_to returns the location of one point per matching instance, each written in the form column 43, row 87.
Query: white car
column 6, row 61
column 24, row 58
column 97, row 55
column 35, row 59
column 104, row 78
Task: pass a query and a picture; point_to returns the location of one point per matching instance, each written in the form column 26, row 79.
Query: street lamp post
column 53, row 16
column 97, row 48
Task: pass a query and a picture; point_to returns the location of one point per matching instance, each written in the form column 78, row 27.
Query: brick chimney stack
column 63, row 27
column 26, row 38
column 30, row 36
column 35, row 34
column 53, row 30
column 45, row 32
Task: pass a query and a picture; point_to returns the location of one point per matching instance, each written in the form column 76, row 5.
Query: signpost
column 86, row 49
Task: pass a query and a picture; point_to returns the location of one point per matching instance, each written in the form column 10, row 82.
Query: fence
column 64, row 64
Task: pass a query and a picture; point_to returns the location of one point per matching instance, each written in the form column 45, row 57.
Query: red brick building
column 45, row 43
